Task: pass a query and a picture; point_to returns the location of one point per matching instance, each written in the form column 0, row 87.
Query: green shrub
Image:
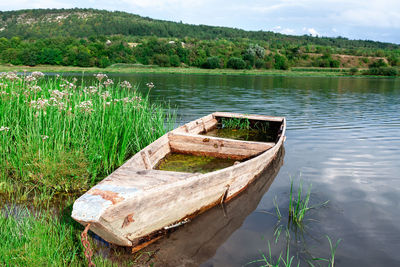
column 236, row 63
column 281, row 62
column 260, row 64
column 174, row 61
column 378, row 64
column 382, row 71
column 212, row 63
column 353, row 71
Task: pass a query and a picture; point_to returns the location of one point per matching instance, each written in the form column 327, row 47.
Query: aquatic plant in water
column 235, row 123
column 297, row 210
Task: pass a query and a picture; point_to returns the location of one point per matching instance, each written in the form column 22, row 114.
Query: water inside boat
column 190, row 163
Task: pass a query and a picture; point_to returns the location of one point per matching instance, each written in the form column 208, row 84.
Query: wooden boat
column 199, row 240
column 137, row 202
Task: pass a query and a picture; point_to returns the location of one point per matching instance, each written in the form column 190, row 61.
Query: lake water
column 343, row 137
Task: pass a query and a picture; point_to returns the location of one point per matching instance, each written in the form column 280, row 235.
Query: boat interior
column 195, row 141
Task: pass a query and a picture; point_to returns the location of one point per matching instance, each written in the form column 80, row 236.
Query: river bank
column 133, row 69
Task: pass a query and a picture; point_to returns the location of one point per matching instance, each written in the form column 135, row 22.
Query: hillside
column 89, row 37
column 45, row 23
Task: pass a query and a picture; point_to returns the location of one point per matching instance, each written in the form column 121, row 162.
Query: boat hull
column 136, row 202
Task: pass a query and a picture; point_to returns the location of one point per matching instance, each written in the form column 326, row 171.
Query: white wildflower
column 150, row 85
column 37, row 74
column 4, row 128
column 105, row 95
column 86, row 106
column 100, row 76
column 30, row 78
column 126, row 84
column 108, row 82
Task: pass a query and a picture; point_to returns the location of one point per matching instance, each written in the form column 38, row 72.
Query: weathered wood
column 197, row 126
column 136, row 200
column 216, row 147
column 250, row 117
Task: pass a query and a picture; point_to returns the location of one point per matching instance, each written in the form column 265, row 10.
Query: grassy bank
column 42, row 239
column 120, row 68
column 57, row 137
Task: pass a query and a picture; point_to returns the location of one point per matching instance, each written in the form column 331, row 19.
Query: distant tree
column 212, row 63
column 281, row 62
column 174, row 61
column 353, row 71
column 259, row 64
column 161, row 60
column 378, row 64
column 236, row 63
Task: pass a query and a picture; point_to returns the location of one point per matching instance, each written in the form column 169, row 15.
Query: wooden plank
column 157, row 155
column 216, row 147
column 155, row 151
column 250, row 117
column 143, row 179
column 220, row 142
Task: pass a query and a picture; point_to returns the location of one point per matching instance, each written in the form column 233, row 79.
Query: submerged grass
column 235, row 123
column 56, row 136
column 298, row 207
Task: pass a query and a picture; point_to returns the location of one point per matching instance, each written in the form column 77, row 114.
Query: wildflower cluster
column 126, row 85
column 150, row 85
column 11, row 76
column 37, row 74
column 86, row 106
column 100, row 76
column 91, row 90
column 4, row 128
column 108, row 82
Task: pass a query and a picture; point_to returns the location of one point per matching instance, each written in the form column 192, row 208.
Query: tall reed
column 56, row 136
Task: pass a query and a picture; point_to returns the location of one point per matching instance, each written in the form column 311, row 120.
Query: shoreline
column 313, row 72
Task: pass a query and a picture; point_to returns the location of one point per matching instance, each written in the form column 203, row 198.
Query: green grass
column 42, row 239
column 59, row 137
column 298, row 207
column 331, row 260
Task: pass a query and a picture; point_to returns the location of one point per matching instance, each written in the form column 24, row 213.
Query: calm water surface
column 343, row 137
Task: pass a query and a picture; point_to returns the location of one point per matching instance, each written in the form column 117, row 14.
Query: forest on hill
column 88, row 37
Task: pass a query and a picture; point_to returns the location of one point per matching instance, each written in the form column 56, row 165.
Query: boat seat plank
column 250, row 117
column 216, row 146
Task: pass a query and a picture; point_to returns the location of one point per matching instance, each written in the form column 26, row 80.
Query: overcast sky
column 355, row 19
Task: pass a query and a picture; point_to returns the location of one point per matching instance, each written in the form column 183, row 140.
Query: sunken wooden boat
column 137, row 201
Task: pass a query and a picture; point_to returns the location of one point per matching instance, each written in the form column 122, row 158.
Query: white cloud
column 283, row 30
column 313, row 32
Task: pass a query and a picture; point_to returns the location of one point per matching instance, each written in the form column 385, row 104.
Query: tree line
column 87, row 37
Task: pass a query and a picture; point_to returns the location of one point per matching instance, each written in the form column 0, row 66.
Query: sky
column 377, row 20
